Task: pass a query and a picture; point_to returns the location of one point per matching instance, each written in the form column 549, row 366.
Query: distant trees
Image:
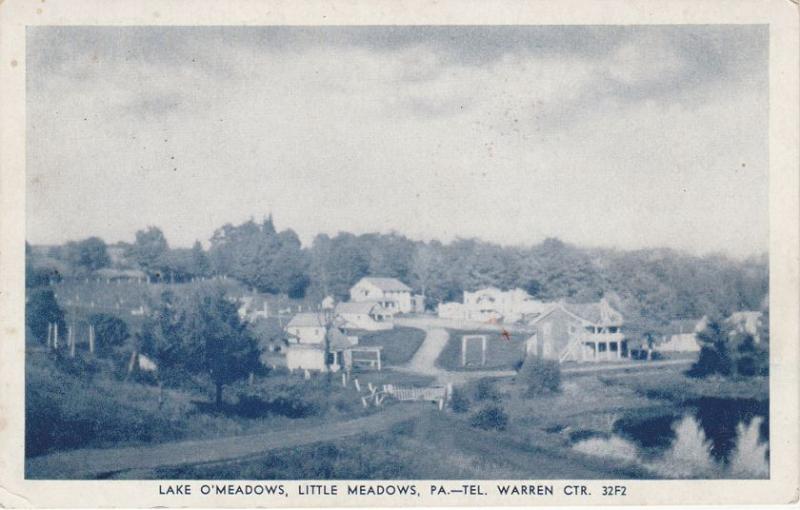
column 89, row 254
column 261, row 257
column 42, row 309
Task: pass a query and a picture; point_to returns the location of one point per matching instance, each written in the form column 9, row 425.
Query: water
column 718, row 418
column 703, row 438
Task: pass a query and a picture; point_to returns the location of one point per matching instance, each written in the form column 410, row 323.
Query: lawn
column 399, row 344
column 500, row 352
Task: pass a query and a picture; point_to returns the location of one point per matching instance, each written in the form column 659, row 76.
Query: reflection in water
column 690, row 454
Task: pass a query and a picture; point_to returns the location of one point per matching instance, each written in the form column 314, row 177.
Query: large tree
column 89, row 254
column 149, row 248
column 202, row 334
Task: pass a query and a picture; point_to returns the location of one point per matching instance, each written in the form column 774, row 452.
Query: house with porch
column 336, row 355
column 586, row 332
column 393, row 295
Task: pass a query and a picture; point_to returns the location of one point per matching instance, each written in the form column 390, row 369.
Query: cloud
column 599, row 135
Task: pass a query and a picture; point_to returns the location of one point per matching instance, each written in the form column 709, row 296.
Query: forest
column 650, row 286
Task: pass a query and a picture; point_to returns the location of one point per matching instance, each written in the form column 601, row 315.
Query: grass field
column 78, row 404
column 500, row 353
column 399, row 344
column 439, row 445
column 673, row 384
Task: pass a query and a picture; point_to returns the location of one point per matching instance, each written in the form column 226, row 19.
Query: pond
column 701, row 438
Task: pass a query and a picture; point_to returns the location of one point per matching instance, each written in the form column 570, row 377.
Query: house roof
column 305, row 320
column 364, row 307
column 599, row 313
column 387, row 284
column 108, row 272
column 337, row 340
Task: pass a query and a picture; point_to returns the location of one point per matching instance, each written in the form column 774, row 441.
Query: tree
column 257, row 255
column 201, row 266
column 715, row 357
column 148, row 248
column 201, row 334
column 89, row 254
column 426, row 267
column 110, row 331
column 230, row 353
column 42, row 309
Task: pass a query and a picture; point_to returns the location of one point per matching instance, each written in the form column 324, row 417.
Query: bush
column 712, row 360
column 110, row 331
column 540, row 376
column 459, row 401
column 491, row 417
column 485, row 390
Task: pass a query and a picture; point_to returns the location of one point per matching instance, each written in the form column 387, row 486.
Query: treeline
column 650, row 286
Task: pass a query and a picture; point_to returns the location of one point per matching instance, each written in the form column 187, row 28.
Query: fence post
column 71, row 341
column 91, row 338
column 358, row 386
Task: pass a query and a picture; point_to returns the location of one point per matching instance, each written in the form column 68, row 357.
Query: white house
column 368, row 315
column 252, row 308
column 746, row 322
column 493, row 304
column 306, row 328
column 313, row 356
column 305, row 357
column 391, row 293
column 681, row 336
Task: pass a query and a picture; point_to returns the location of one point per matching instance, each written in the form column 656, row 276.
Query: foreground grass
column 437, row 446
column 67, row 411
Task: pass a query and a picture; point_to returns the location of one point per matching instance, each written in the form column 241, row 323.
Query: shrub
column 485, row 390
column 715, row 357
column 111, row 331
column 491, row 417
column 540, row 376
column 459, row 401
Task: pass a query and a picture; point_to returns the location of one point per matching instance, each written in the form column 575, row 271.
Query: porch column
column 619, row 349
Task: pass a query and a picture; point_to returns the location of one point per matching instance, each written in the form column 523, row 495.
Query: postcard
column 404, row 253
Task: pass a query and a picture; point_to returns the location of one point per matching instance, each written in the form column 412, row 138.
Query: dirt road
column 112, row 462
column 424, row 360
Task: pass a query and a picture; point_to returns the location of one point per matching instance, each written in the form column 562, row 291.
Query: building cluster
column 579, row 332
column 320, row 340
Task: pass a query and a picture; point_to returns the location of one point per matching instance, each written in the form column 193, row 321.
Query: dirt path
column 106, row 463
column 424, row 360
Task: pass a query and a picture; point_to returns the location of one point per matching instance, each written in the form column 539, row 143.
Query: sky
column 605, row 136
